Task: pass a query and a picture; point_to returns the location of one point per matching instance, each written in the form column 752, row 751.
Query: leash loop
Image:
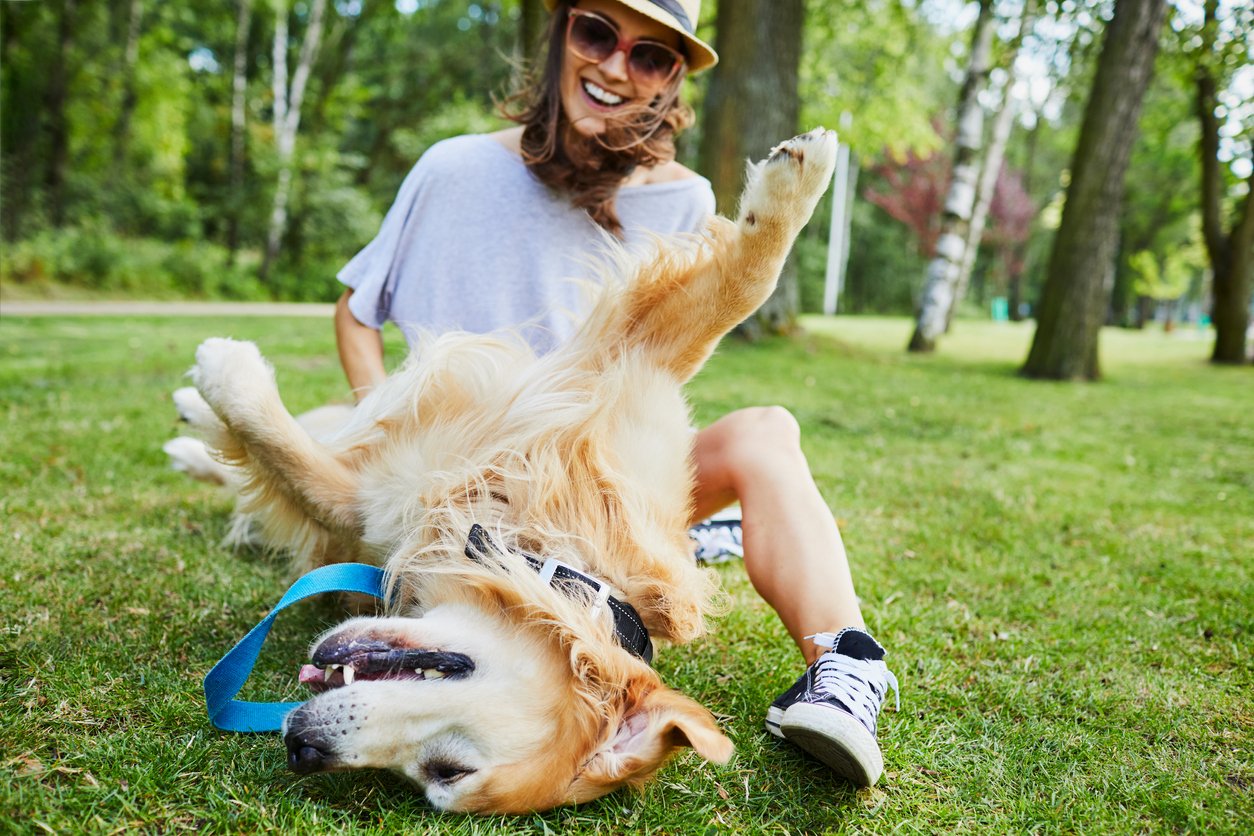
column 228, row 676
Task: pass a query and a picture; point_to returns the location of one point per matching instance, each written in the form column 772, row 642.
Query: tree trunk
column 983, row 199
column 1231, row 254
column 532, row 17
column 942, row 273
column 55, row 100
column 130, row 59
column 1077, row 285
column 287, row 117
column 991, row 169
column 752, row 104
column 239, row 90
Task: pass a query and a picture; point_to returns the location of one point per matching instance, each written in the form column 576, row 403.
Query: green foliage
column 462, row 115
column 875, row 72
column 884, row 264
column 107, row 264
column 1170, row 276
column 1060, row 575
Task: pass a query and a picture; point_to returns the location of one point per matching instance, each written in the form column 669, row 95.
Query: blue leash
column 227, row 677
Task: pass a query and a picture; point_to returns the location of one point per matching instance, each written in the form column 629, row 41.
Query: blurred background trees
column 143, row 145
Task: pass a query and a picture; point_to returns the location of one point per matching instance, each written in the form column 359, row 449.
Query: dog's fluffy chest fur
column 586, row 465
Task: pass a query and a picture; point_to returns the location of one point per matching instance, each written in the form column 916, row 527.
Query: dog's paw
column 190, row 456
column 784, row 188
column 229, row 371
column 193, row 410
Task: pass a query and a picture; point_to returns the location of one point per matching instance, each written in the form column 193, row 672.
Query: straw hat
column 679, row 15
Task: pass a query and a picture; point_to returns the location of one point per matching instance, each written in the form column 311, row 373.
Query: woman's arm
column 361, row 350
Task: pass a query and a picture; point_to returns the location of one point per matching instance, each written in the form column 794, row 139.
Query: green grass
column 1061, row 573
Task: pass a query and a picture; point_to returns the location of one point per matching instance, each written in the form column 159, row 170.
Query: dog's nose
column 303, row 757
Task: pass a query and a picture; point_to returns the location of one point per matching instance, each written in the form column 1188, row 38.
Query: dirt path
column 127, row 308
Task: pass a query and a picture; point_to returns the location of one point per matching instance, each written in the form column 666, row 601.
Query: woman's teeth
column 601, row 95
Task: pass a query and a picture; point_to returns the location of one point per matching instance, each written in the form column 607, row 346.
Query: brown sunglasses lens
column 595, row 39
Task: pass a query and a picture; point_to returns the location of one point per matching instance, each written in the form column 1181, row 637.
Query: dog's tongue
column 312, row 673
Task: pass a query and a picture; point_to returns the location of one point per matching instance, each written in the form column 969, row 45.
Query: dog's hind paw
column 784, row 188
column 190, row 456
column 193, row 410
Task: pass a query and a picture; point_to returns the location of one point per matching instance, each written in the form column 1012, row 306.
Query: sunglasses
column 595, row 38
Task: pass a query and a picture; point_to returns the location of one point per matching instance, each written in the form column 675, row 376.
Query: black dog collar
column 627, row 624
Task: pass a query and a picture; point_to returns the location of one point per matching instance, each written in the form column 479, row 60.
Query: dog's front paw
column 229, row 371
column 784, row 188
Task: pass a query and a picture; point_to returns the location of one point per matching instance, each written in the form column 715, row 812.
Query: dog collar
column 628, row 628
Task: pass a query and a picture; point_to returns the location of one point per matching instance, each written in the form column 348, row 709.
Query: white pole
column 836, row 232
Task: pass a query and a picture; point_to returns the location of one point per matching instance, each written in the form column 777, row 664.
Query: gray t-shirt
column 475, row 243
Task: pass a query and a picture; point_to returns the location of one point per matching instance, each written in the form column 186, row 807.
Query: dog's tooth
column 432, row 673
column 349, row 673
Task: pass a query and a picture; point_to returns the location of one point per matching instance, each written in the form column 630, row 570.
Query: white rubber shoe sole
column 835, row 738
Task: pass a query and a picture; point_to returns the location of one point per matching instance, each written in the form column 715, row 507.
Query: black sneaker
column 831, row 711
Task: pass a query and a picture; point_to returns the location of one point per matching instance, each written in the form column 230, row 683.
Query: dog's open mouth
column 338, row 663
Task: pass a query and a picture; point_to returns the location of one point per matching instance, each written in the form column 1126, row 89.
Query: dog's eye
column 446, row 773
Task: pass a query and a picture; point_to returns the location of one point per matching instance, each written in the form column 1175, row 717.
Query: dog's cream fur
column 581, row 455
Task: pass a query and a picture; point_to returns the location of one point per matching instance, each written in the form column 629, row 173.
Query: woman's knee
column 759, row 436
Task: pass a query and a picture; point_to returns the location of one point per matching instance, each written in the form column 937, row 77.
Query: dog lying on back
column 493, row 686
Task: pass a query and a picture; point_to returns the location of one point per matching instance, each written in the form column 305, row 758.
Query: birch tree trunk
column 239, row 89
column 983, row 198
column 1077, row 284
column 1231, row 253
column 752, row 104
column 942, row 273
column 991, row 169
column 287, row 105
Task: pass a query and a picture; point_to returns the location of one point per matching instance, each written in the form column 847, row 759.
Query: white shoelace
column 717, row 541
column 848, row 680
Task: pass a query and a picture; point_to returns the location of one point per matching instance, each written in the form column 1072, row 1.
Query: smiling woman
column 485, row 236
column 604, row 110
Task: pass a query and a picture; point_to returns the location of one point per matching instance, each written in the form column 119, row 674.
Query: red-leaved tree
column 914, row 189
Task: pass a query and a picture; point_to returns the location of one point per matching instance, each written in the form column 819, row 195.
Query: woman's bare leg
column 793, row 551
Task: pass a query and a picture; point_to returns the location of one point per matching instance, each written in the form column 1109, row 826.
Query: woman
column 485, row 231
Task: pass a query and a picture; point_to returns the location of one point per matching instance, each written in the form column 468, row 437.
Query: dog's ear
column 652, row 727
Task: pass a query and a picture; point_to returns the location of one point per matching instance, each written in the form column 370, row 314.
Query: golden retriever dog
column 492, row 686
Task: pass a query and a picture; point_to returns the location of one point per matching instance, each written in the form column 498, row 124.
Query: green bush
column 102, row 261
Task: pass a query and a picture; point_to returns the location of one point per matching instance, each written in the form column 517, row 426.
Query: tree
column 1231, row 252
column 913, row 192
column 1158, row 217
column 287, row 104
column 1073, row 302
column 752, row 104
column 130, row 58
column 991, row 169
column 942, row 272
column 56, row 101
column 531, row 18
column 239, row 91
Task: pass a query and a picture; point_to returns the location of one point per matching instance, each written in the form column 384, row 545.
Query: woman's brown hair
column 589, row 170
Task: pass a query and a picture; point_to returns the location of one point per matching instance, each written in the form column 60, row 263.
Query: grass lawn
column 1062, row 575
